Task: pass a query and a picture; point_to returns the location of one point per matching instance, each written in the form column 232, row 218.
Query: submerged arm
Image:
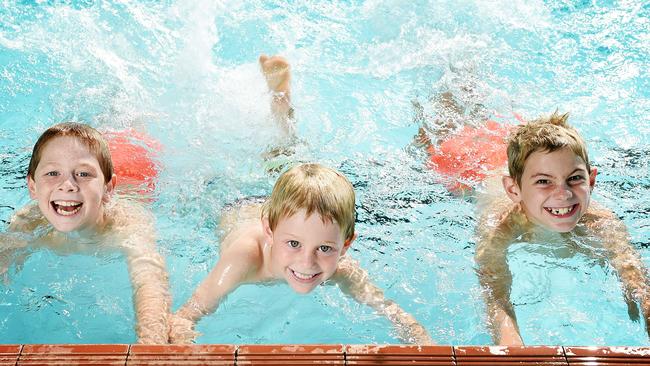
column 354, row 281
column 495, row 234
column 625, row 260
column 150, row 291
column 229, row 272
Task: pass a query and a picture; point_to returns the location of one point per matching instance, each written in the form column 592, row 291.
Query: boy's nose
column 308, row 259
column 69, row 185
column 563, row 191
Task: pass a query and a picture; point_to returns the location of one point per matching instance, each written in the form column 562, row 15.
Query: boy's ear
column 31, row 186
column 512, row 188
column 348, row 243
column 268, row 233
column 109, row 188
column 592, row 177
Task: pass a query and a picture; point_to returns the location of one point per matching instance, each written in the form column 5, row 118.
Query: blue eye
column 293, row 243
column 83, row 174
column 325, row 248
column 576, row 178
column 52, row 174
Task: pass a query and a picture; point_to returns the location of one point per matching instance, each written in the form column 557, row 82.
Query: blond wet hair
column 546, row 134
column 314, row 188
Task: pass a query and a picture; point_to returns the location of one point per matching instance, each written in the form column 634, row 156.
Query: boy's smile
column 69, row 185
column 555, row 189
column 305, row 250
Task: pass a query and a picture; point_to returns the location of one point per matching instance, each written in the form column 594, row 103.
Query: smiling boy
column 70, row 176
column 299, row 236
column 548, row 190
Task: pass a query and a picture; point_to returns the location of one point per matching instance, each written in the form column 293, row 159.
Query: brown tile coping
column 399, row 355
column 499, row 355
column 330, row 354
column 195, row 354
column 608, row 355
column 9, row 354
column 77, row 354
column 288, row 354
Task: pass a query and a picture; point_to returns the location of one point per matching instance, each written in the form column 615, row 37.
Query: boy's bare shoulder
column 247, row 239
column 27, row 219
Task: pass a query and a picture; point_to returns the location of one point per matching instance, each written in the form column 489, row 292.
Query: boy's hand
column 181, row 330
column 632, row 308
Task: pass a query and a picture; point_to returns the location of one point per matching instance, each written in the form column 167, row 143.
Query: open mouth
column 66, row 208
column 303, row 277
column 561, row 212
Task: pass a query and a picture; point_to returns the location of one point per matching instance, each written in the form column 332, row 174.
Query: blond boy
column 548, row 190
column 71, row 178
column 299, row 236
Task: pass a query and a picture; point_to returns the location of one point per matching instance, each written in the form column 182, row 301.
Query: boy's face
column 555, row 189
column 69, row 185
column 305, row 250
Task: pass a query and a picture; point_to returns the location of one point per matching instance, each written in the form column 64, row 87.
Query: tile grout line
column 566, row 359
column 453, row 356
column 20, row 352
column 128, row 353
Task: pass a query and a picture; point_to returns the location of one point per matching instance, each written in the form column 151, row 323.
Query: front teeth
column 560, row 211
column 303, row 276
column 58, row 205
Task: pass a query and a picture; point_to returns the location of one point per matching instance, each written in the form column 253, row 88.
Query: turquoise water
column 186, row 73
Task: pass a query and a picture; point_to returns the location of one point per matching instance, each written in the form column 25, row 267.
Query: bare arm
column 624, row 258
column 495, row 234
column 134, row 231
column 354, row 281
column 232, row 269
column 150, row 290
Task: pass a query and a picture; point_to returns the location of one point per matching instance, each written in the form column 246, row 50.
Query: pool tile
column 163, row 355
column 399, row 355
column 294, row 355
column 73, row 354
column 608, row 355
column 9, row 354
column 499, row 355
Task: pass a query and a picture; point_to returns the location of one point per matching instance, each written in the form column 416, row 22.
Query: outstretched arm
column 624, row 258
column 150, row 289
column 495, row 234
column 230, row 271
column 354, row 281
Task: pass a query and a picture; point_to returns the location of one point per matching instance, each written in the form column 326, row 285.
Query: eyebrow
column 291, row 236
column 56, row 164
column 552, row 176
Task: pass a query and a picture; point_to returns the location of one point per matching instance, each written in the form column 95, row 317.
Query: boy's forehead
column 549, row 160
column 67, row 146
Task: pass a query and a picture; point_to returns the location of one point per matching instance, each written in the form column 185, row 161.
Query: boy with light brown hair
column 548, row 190
column 298, row 236
column 70, row 176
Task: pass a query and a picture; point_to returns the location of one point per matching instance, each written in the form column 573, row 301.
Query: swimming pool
column 187, row 74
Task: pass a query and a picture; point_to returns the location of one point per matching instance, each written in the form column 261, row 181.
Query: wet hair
column 546, row 134
column 84, row 133
column 314, row 188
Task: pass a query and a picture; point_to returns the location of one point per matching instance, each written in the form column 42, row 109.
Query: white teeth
column 303, row 276
column 66, row 203
column 560, row 211
column 63, row 208
column 62, row 212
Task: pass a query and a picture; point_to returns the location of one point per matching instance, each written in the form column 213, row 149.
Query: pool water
column 187, row 74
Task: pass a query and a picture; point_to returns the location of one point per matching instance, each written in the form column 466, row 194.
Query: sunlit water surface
column 187, row 74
